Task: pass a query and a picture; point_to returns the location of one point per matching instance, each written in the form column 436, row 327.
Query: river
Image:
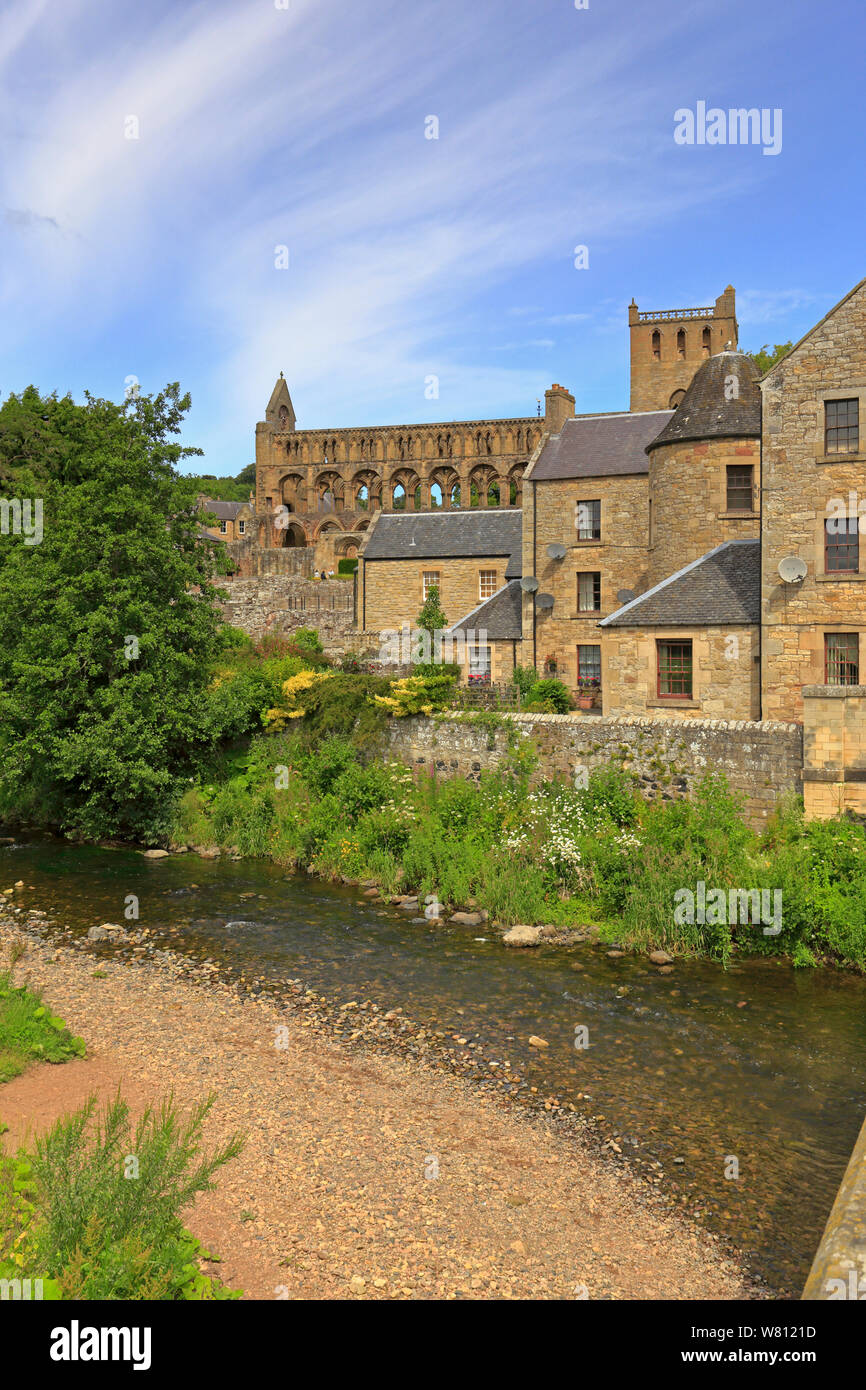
column 760, row 1064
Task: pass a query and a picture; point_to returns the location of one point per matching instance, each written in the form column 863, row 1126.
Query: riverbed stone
column 107, row 931
column 522, row 936
column 661, row 958
column 467, row 919
column 155, row 853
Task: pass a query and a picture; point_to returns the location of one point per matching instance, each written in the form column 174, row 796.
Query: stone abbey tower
column 668, row 346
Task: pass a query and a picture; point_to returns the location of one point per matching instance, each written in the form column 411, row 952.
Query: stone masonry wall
column 283, row 603
column 834, row 750
column 803, row 486
column 761, row 760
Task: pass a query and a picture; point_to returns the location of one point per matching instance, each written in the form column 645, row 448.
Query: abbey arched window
column 681, row 345
column 706, row 342
column 657, row 345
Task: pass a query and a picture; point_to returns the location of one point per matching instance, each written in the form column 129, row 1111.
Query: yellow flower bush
column 292, row 688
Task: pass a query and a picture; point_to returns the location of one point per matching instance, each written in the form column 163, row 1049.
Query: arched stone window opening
column 294, row 537
column 362, row 497
column 417, row 498
column 706, row 342
column 284, row 417
column 436, row 498
column 675, row 399
column 681, row 345
column 657, row 345
column 493, row 494
column 398, row 498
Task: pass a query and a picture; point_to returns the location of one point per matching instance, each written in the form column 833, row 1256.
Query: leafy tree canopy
column 766, row 357
column 108, row 623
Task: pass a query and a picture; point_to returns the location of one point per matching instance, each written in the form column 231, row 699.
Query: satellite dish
column 557, row 551
column 792, row 569
column 625, row 596
column 529, row 584
column 544, row 601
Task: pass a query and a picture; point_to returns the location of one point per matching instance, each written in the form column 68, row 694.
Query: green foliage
column 29, row 1031
column 97, row 1205
column 549, row 695
column 308, row 638
column 347, row 565
column 431, row 618
column 417, row 694
column 766, row 357
column 525, row 677
column 97, row 734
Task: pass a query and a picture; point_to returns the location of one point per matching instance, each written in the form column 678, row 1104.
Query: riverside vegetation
column 308, row 791
column 128, row 709
column 75, row 1221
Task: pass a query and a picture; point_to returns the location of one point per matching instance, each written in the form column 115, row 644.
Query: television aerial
column 544, row 601
column 792, row 569
column 529, row 584
column 557, row 551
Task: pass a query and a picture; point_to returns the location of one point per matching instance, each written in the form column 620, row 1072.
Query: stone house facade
column 814, row 461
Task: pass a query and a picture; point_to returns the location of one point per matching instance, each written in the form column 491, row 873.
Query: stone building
column 814, row 462
column 467, row 556
column 234, row 520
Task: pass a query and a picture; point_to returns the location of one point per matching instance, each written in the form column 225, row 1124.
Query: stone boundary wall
column 283, row 603
column 760, row 760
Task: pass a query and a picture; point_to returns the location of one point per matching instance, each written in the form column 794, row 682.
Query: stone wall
column 761, row 760
column 688, row 485
column 620, row 558
column 834, row 750
column 725, row 672
column 390, row 591
column 283, row 603
column 803, row 486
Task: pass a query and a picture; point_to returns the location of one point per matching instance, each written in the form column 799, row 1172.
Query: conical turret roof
column 722, row 402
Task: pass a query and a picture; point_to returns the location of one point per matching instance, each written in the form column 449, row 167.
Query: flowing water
column 761, row 1064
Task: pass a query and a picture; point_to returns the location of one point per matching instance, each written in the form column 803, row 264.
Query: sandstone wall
column 800, row 481
column 391, row 590
column 688, row 490
column 725, row 672
column 834, row 750
column 761, row 760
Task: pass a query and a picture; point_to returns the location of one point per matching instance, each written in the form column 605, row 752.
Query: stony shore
column 376, row 1164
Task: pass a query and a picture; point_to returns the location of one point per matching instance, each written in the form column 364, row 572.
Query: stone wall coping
column 683, row 726
column 834, row 692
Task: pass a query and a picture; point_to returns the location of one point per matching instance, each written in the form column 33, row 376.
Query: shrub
column 525, row 677
column 550, row 693
column 103, row 1234
column 308, row 638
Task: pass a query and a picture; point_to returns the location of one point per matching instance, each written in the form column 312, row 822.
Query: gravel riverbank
column 376, row 1165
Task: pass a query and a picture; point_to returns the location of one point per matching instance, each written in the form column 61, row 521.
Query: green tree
column 765, row 357
column 109, row 624
column 431, row 618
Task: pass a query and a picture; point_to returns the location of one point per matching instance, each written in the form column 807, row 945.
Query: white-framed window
column 429, row 580
column 486, row 583
column 242, row 528
column 479, row 663
column 223, row 527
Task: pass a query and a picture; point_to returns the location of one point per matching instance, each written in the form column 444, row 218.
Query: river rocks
column 433, row 911
column 239, row 923
column 666, row 970
column 108, row 931
column 467, row 919
column 408, row 904
column 522, row 936
column 372, row 893
column 155, row 853
column 614, row 955
column 661, row 958
column 206, row 851
column 535, row 1041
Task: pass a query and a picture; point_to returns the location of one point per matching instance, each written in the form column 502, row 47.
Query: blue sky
column 304, row 127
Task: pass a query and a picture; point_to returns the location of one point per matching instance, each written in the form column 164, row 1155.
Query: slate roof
column 704, row 411
column 224, row 511
column 598, row 446
column 723, row 586
column 500, row 616
column 455, row 535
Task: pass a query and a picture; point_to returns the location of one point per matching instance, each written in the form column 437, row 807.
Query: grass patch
column 29, row 1031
